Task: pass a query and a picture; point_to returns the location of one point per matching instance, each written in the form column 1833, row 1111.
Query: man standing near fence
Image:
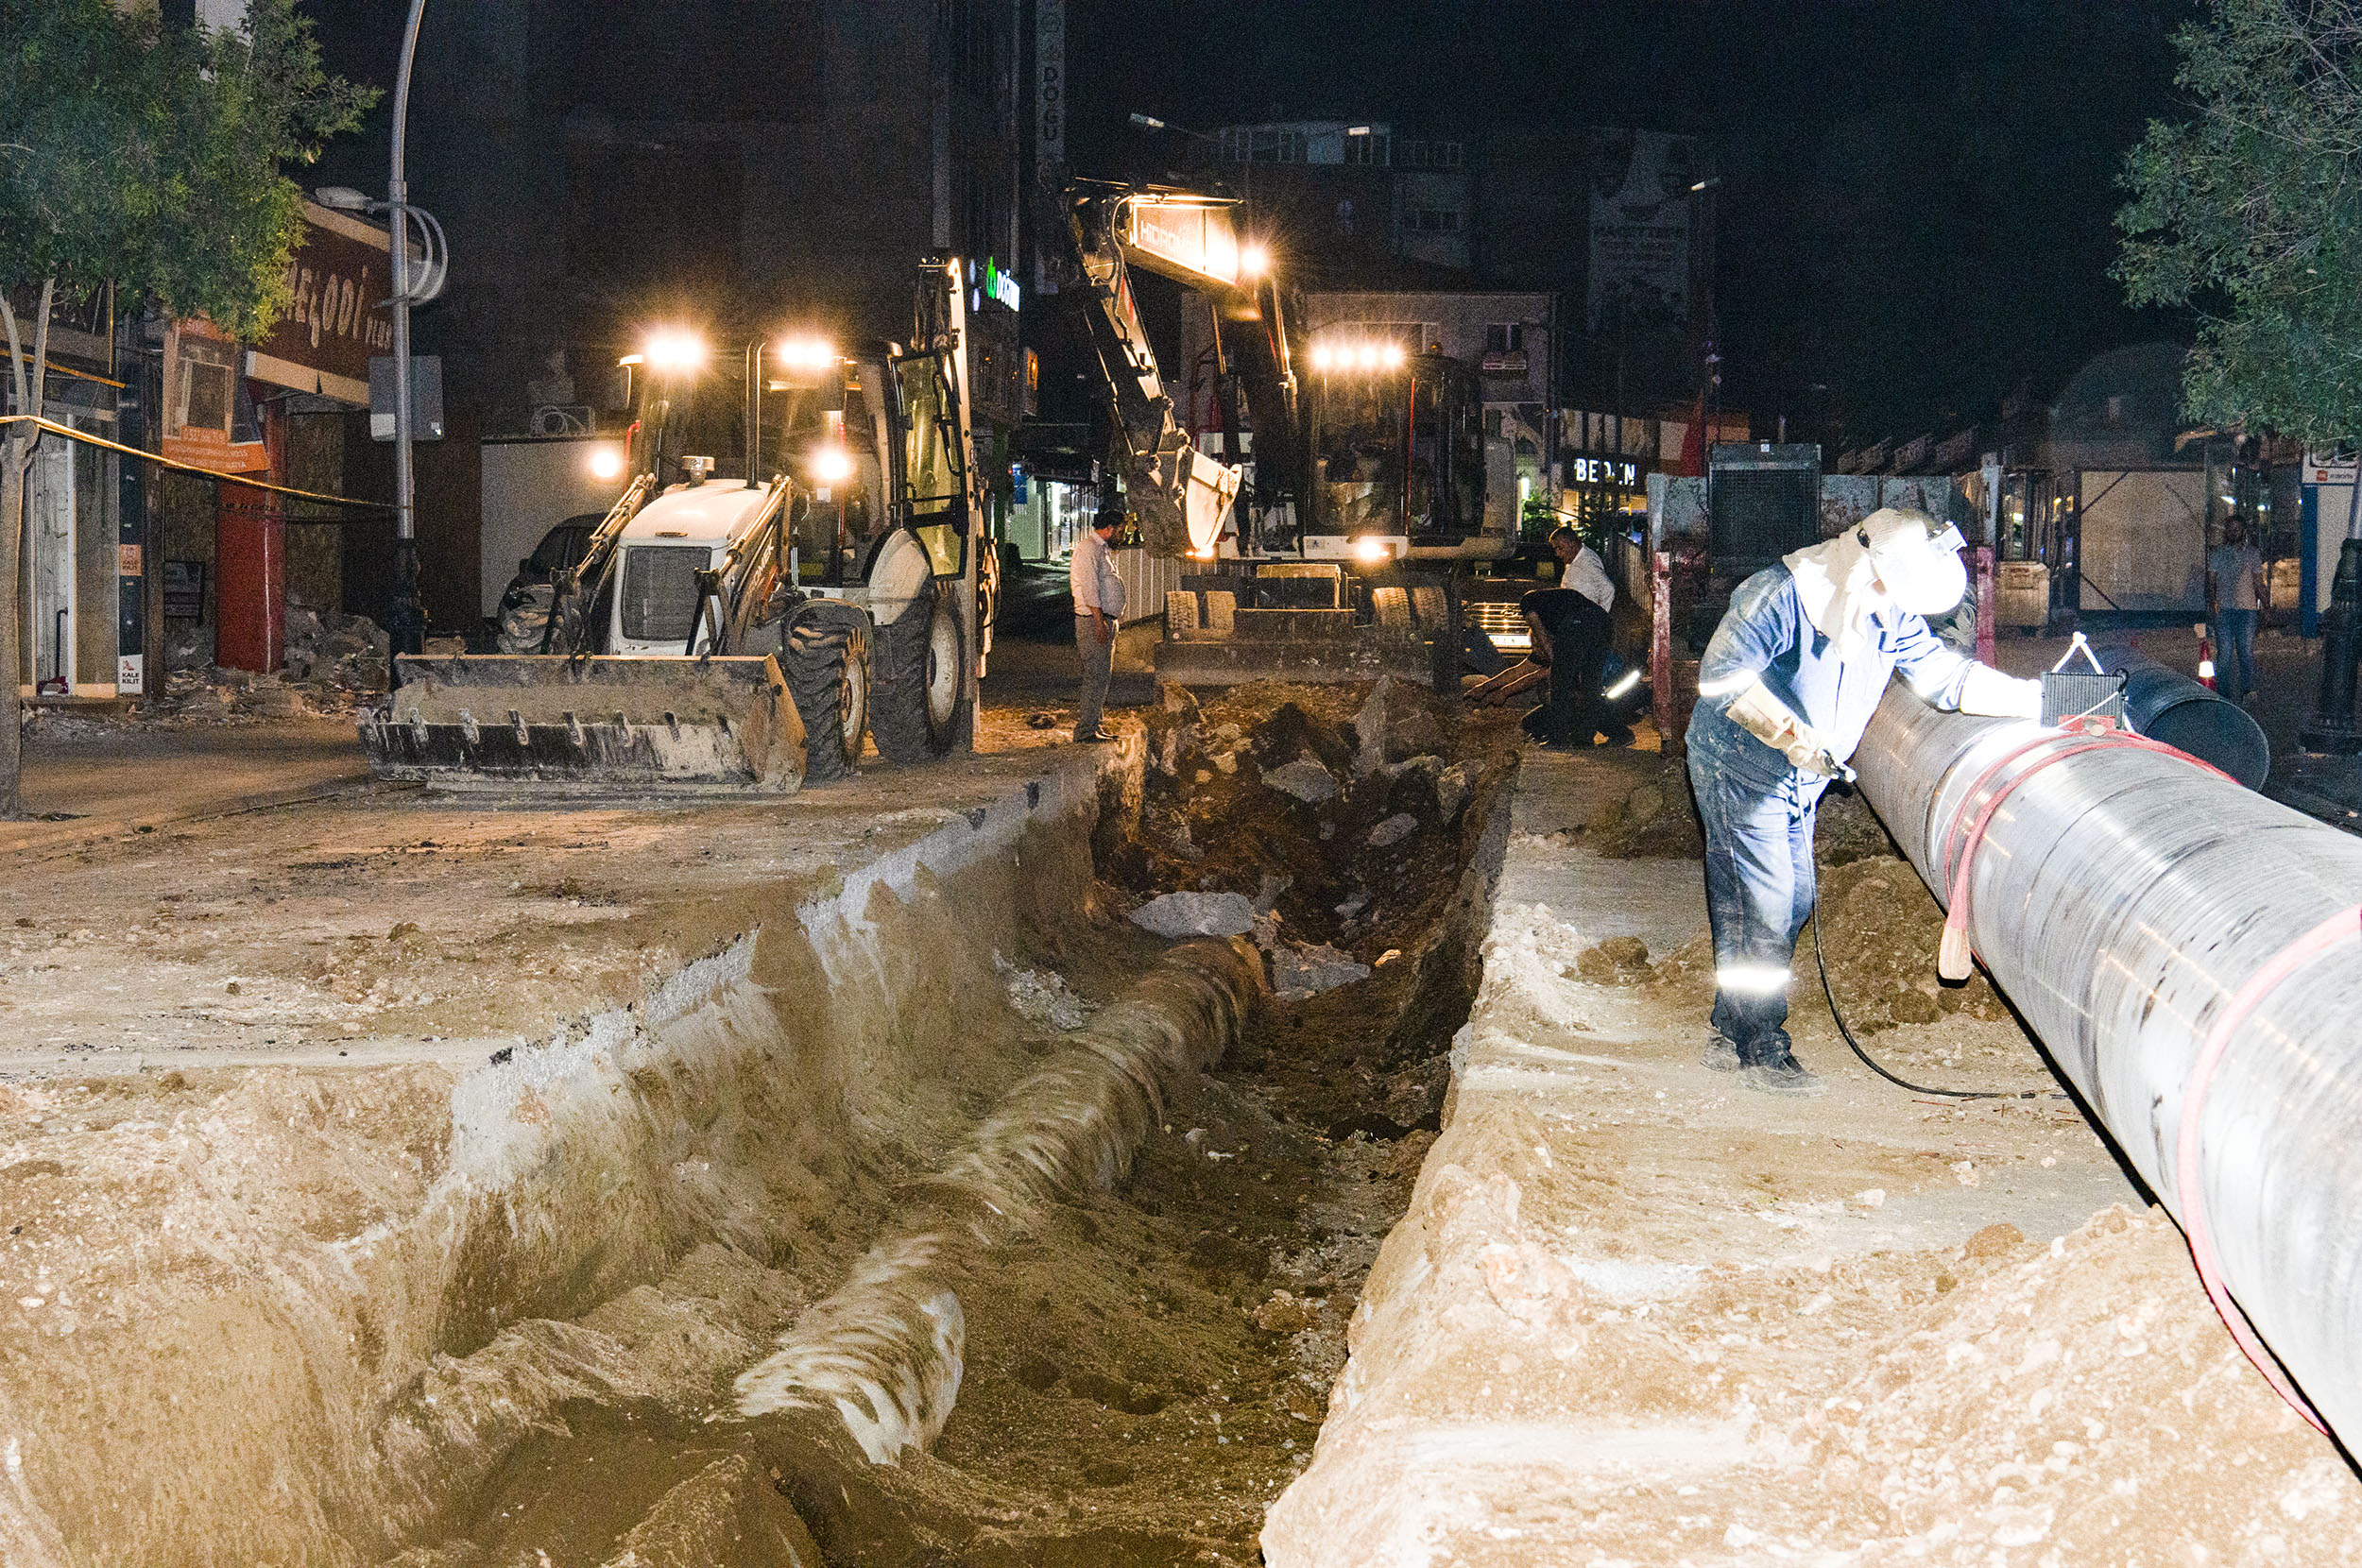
column 2234, row 592
column 1098, row 611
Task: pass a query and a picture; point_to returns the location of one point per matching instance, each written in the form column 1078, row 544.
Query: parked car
column 524, row 610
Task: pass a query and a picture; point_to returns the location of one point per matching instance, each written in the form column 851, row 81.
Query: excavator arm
column 1183, row 497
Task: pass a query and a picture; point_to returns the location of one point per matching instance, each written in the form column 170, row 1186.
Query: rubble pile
column 1321, row 813
column 334, row 663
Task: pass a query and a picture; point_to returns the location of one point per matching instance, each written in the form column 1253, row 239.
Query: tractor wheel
column 919, row 708
column 825, row 660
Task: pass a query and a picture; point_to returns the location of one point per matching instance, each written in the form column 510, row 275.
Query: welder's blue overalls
column 1757, row 809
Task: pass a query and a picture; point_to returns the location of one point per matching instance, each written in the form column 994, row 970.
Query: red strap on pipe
column 2260, row 985
column 1953, row 955
column 2089, row 736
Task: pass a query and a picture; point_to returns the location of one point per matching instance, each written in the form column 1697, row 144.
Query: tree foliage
column 2251, row 210
column 155, row 159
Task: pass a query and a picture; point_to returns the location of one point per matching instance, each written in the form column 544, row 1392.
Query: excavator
column 1369, row 473
column 742, row 635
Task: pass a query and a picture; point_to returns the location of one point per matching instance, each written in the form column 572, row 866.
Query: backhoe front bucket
column 604, row 722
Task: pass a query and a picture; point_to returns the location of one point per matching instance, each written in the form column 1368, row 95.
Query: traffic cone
column 2205, row 656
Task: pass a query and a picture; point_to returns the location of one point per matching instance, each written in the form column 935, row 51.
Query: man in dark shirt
column 1572, row 635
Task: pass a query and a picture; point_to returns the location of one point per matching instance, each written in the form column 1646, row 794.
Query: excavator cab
column 1398, row 447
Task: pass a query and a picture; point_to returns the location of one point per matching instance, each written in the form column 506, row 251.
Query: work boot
column 1778, row 1072
column 1721, row 1055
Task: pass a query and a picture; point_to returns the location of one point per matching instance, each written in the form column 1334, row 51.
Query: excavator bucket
column 600, row 723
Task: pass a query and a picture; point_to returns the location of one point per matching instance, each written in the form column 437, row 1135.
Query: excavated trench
column 1091, row 1315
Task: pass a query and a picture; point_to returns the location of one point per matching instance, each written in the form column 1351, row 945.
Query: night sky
column 1918, row 197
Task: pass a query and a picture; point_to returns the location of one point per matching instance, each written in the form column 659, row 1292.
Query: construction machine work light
column 1341, row 356
column 674, row 352
column 808, row 356
column 831, row 465
column 1370, row 548
column 1254, row 260
column 606, row 463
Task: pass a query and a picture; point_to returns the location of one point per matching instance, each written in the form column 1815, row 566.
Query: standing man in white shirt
column 1098, row 610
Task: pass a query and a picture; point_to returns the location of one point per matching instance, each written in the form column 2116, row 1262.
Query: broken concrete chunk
column 1302, row 778
column 1394, row 830
column 1300, row 972
column 1413, row 732
column 1180, row 914
column 1452, row 788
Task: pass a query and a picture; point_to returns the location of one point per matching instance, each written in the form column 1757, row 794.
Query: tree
column 2249, row 212
column 152, row 158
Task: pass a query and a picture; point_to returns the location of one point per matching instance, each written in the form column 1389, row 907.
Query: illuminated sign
column 1000, row 285
column 1621, row 472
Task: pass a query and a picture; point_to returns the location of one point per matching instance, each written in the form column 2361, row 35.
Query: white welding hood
column 1893, row 556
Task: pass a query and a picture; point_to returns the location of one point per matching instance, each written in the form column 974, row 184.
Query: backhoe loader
column 743, row 634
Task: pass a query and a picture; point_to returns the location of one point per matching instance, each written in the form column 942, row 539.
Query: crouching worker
column 1788, row 684
column 1572, row 635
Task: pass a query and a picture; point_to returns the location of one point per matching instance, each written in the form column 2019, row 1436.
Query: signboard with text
column 337, row 319
column 201, row 395
column 1621, row 473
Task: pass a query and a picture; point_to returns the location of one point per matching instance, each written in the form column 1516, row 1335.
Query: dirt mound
column 1849, row 830
column 1881, row 926
column 1309, row 801
column 1653, row 819
column 332, row 663
column 2131, row 1427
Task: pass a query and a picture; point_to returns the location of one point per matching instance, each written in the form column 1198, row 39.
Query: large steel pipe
column 2121, row 899
column 2165, row 704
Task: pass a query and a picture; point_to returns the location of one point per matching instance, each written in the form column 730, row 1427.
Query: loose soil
column 1152, row 1362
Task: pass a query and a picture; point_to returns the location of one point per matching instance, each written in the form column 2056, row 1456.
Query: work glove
column 1987, row 691
column 1773, row 722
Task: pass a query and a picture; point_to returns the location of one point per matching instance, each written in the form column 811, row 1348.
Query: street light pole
column 405, row 619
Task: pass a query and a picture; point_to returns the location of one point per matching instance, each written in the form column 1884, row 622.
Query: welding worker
column 1787, row 686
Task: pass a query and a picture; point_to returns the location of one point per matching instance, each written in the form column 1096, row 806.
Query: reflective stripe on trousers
column 1759, row 890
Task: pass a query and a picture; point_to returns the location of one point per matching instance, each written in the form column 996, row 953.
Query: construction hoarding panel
column 2144, row 540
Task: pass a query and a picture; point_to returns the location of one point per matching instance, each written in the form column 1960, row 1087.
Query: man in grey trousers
column 1098, row 609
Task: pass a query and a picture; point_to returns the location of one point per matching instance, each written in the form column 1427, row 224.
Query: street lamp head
column 1708, row 183
column 1147, row 122
column 344, row 198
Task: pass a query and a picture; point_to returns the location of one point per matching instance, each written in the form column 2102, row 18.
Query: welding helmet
column 1917, row 557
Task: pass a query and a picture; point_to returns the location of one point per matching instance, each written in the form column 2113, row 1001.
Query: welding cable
column 2260, row 985
column 1821, row 961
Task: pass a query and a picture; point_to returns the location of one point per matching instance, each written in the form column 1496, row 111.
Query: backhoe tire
column 525, row 619
column 825, row 657
column 918, row 699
